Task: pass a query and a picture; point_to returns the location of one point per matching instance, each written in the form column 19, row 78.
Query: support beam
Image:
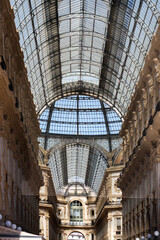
column 90, row 167
column 107, row 126
column 113, row 32
column 48, row 126
column 37, row 50
column 129, row 45
column 77, row 115
column 63, row 157
column 52, row 25
column 57, row 170
column 81, row 36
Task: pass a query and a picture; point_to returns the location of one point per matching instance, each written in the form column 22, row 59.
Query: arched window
column 76, row 213
column 76, row 235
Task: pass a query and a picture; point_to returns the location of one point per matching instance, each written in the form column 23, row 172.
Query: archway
column 75, row 163
column 88, row 89
column 88, row 142
column 76, row 236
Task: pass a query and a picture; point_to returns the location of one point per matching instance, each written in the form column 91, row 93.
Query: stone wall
column 20, row 175
column 140, row 179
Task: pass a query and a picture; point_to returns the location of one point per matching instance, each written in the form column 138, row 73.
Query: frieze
column 150, row 84
column 157, row 69
column 144, row 97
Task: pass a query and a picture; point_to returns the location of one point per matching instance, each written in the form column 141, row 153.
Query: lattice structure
column 83, row 59
column 77, row 163
column 101, row 43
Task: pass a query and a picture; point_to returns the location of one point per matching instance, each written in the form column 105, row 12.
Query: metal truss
column 67, row 41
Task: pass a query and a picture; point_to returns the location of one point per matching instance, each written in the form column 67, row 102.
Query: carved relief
column 116, row 189
column 150, row 85
column 131, row 128
column 134, row 117
column 139, row 108
column 157, row 69
column 144, row 97
column 127, row 136
column 158, row 149
column 108, row 183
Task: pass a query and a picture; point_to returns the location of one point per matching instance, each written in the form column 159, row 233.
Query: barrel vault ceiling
column 94, row 47
column 83, row 47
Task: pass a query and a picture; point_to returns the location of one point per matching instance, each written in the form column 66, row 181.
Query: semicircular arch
column 82, row 141
column 77, row 162
column 88, row 89
column 72, row 184
column 82, row 234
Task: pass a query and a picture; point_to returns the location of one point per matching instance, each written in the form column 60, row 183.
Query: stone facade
column 140, row 179
column 102, row 215
column 108, row 224
column 20, row 174
column 48, row 201
column 23, row 174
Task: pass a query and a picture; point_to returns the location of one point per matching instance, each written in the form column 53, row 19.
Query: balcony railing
column 74, row 223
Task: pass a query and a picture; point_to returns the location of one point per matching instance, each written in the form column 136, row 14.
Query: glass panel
column 79, row 114
column 85, row 46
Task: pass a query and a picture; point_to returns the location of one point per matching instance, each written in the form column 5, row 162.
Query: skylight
column 100, row 43
column 80, row 115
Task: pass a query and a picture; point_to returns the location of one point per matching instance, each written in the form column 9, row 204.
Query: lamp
column 149, row 236
column 156, row 233
column 19, row 229
column 14, row 226
column 1, row 217
column 8, row 224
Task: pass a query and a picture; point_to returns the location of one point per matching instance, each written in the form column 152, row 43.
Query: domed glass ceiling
column 80, row 115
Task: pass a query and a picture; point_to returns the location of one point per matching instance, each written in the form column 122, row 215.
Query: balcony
column 74, row 223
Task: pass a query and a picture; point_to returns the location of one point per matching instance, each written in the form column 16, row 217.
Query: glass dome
column 80, row 115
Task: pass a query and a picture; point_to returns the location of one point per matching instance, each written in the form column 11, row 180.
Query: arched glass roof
column 97, row 46
column 83, row 47
column 80, row 115
column 79, row 164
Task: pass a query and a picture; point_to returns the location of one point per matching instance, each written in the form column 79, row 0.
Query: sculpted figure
column 157, row 69
column 150, row 85
column 139, row 106
column 144, row 97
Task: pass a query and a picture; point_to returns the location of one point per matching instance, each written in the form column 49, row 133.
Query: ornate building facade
column 95, row 217
column 20, row 174
column 140, row 132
